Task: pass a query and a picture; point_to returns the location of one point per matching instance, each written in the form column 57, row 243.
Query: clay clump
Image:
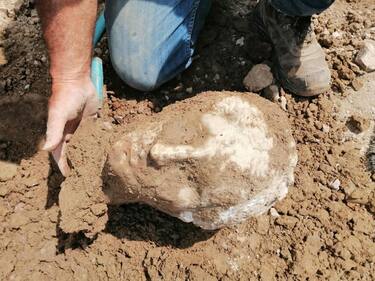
column 81, row 200
column 213, row 160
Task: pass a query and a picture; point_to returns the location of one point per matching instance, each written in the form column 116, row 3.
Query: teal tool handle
column 99, row 28
column 97, row 76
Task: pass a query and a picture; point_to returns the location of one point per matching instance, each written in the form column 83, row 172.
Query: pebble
column 325, row 128
column 43, row 59
column 240, row 41
column 271, row 93
column 189, row 90
column 274, row 213
column 287, row 221
column 7, row 171
column 258, row 78
column 283, row 103
column 3, row 60
column 335, row 185
column 366, row 56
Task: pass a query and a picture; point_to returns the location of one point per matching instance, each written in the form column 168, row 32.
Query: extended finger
column 59, row 153
column 55, row 130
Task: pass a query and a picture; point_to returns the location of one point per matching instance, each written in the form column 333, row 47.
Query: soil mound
column 213, row 160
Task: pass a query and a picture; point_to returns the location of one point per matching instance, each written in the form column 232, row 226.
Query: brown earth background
column 316, row 233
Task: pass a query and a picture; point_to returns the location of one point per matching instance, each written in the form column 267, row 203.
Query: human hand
column 71, row 101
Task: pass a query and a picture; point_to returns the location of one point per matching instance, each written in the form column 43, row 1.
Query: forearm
column 68, row 27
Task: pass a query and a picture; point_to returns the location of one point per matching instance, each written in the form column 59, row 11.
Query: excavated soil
column 323, row 229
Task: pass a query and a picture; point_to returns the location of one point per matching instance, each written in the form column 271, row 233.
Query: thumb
column 55, row 130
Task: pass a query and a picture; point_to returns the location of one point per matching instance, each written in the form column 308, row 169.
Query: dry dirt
column 321, row 231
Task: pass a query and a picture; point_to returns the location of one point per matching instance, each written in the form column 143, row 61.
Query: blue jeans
column 151, row 41
column 301, row 7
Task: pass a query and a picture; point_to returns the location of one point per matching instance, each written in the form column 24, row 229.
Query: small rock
column 318, row 124
column 271, row 93
column 240, row 41
column 366, row 56
column 7, row 171
column 357, row 84
column 189, row 90
column 287, row 221
column 335, row 185
column 283, row 103
column 274, row 213
column 349, row 188
column 3, row 60
column 258, row 78
column 325, row 128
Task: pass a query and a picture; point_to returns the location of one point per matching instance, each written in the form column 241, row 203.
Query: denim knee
column 301, row 7
column 150, row 42
column 143, row 74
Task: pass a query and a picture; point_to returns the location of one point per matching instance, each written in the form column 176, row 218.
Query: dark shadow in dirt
column 22, row 126
column 55, row 179
column 371, row 154
column 70, row 240
column 143, row 223
column 138, row 222
column 23, row 87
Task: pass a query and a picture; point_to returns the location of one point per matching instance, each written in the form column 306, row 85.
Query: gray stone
column 258, row 78
column 366, row 56
column 335, row 185
column 272, row 93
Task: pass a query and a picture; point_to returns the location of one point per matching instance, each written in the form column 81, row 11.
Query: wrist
column 69, row 77
column 65, row 72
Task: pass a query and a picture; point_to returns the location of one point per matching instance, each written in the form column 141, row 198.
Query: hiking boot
column 299, row 60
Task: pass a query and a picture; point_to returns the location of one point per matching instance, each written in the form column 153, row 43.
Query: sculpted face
column 213, row 162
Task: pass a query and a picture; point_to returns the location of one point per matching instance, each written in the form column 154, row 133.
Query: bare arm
column 68, row 31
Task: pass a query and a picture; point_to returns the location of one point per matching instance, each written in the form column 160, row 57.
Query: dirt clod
column 7, row 171
column 213, row 160
column 81, row 200
column 258, row 78
column 366, row 56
